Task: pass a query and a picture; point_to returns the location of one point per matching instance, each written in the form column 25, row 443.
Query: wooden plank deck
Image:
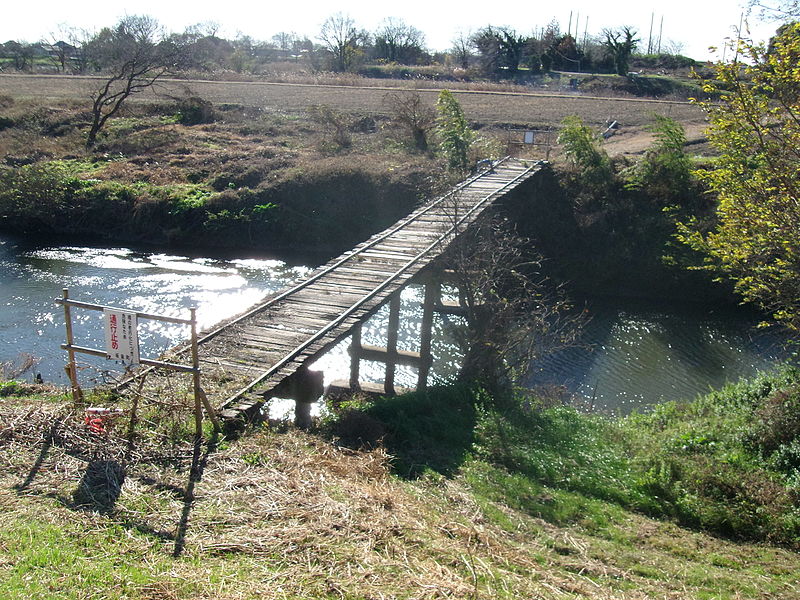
column 273, row 339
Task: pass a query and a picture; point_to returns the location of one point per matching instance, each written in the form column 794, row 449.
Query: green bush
column 583, row 151
column 194, row 110
column 37, row 196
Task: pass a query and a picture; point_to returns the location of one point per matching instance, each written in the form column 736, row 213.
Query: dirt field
column 494, row 109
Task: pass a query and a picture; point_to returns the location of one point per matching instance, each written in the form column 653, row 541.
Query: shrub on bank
column 726, row 463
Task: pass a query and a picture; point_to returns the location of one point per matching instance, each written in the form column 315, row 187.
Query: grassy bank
column 186, row 173
column 727, row 463
column 465, row 497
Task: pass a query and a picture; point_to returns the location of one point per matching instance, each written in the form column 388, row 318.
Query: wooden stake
column 71, row 368
column 198, row 406
column 210, row 410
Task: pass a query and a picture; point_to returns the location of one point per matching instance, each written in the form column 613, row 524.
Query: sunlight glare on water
column 633, row 354
column 33, row 277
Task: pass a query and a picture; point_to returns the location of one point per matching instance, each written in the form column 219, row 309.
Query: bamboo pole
column 71, row 368
column 198, row 406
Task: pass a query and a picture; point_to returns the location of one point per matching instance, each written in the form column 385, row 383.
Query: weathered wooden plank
column 293, row 324
column 379, row 354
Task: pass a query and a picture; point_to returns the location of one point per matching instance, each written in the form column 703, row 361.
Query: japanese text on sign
column 122, row 340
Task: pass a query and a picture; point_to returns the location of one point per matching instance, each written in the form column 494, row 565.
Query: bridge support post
column 305, row 387
column 391, row 344
column 355, row 359
column 432, row 293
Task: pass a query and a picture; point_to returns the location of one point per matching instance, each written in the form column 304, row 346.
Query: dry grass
column 498, row 106
column 290, row 515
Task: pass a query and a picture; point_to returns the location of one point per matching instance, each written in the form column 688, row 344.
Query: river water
column 633, row 355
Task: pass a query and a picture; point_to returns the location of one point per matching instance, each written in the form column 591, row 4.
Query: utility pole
column 650, row 36
column 586, row 34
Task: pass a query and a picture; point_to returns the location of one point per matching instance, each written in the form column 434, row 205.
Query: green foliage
column 455, row 134
column 557, row 447
column 194, row 110
column 36, row 194
column 582, row 148
column 756, row 129
column 727, row 462
column 665, row 172
column 425, row 431
column 619, row 45
column 10, row 388
column 708, row 463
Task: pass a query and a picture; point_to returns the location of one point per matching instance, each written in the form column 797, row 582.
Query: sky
column 696, row 24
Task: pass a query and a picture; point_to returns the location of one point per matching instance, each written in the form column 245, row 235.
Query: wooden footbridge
column 265, row 351
column 267, row 347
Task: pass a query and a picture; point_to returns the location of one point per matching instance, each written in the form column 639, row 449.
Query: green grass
column 42, row 559
column 728, row 463
column 493, row 499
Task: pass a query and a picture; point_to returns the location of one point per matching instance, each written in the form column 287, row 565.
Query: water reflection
column 647, row 353
column 32, row 276
column 634, row 354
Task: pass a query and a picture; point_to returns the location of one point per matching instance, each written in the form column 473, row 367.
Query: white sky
column 698, row 24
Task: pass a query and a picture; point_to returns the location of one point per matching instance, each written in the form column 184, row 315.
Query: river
column 633, row 355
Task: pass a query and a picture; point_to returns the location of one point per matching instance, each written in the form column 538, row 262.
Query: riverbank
column 465, row 497
column 190, row 175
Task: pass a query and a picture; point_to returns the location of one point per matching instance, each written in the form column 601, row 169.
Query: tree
column 462, row 50
column 286, row 42
column 514, row 314
column 396, row 41
column 453, row 130
column 341, row 40
column 22, row 54
column 134, row 54
column 412, row 114
column 619, row 45
column 564, row 54
column 755, row 238
column 501, row 49
column 59, row 51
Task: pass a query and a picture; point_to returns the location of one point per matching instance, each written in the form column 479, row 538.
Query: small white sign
column 122, row 340
column 529, row 137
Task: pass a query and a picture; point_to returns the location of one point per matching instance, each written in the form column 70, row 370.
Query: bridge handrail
column 335, row 265
column 345, row 315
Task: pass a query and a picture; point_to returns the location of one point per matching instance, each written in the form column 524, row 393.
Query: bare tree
column 396, row 41
column 81, row 40
column 514, row 314
column 60, row 52
column 461, row 50
column 134, row 54
column 414, row 116
column 341, row 40
column 285, row 41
